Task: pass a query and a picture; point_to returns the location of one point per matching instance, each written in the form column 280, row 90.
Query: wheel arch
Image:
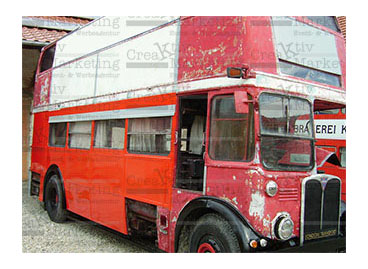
column 206, row 204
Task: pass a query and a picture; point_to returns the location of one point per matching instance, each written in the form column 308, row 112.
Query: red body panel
column 333, row 145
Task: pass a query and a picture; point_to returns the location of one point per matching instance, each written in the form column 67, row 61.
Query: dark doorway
column 191, row 142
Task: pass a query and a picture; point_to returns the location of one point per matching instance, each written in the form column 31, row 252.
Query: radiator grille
column 320, row 207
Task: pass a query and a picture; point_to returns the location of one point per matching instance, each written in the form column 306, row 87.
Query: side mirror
column 241, row 102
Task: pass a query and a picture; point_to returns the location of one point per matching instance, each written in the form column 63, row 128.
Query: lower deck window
column 109, row 134
column 149, row 135
column 80, row 134
column 57, row 134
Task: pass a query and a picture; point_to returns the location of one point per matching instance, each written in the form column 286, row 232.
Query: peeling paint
column 174, row 219
column 256, row 158
column 235, row 201
column 234, row 177
column 267, row 221
column 257, row 205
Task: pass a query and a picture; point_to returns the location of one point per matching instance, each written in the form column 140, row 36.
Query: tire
column 213, row 234
column 343, row 218
column 54, row 200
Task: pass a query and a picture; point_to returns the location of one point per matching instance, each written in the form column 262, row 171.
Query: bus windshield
column 283, row 145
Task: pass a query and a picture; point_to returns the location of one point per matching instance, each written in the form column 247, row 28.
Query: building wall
column 29, row 62
column 342, row 23
column 26, row 120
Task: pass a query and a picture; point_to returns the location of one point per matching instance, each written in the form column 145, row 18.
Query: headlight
column 271, row 188
column 284, row 227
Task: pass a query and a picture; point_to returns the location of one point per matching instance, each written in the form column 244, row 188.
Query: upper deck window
column 299, row 71
column 304, row 51
column 47, row 59
column 327, row 21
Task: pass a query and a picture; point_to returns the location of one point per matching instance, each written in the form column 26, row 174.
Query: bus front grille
column 320, row 209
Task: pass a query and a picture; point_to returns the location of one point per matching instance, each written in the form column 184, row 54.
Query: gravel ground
column 40, row 234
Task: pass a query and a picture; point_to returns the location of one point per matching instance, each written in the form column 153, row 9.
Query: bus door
column 191, row 135
column 230, row 142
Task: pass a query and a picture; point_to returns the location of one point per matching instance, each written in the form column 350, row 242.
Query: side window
column 327, row 112
column 80, row 134
column 47, row 59
column 229, row 134
column 109, row 134
column 343, row 156
column 57, row 134
column 149, row 135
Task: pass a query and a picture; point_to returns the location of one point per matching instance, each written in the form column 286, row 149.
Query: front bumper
column 319, row 246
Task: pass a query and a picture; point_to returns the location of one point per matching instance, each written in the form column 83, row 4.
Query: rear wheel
column 54, row 200
column 213, row 234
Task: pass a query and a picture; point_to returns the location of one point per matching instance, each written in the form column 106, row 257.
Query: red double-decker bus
column 330, row 127
column 183, row 129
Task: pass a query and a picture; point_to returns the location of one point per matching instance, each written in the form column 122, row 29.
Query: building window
column 109, row 134
column 149, row 135
column 228, row 132
column 80, row 134
column 57, row 134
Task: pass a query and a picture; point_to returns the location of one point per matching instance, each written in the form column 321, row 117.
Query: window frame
column 129, row 133
column 50, row 133
column 108, row 148
column 47, row 53
column 247, row 141
column 312, row 138
column 281, row 66
column 71, row 133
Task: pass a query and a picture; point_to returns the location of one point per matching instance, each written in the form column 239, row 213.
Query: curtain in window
column 80, row 134
column 149, row 135
column 196, row 135
column 101, row 134
column 117, row 137
column 142, row 138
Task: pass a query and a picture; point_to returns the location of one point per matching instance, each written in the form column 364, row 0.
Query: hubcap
column 206, row 248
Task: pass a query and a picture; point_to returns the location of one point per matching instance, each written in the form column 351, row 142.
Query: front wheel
column 54, row 200
column 213, row 234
